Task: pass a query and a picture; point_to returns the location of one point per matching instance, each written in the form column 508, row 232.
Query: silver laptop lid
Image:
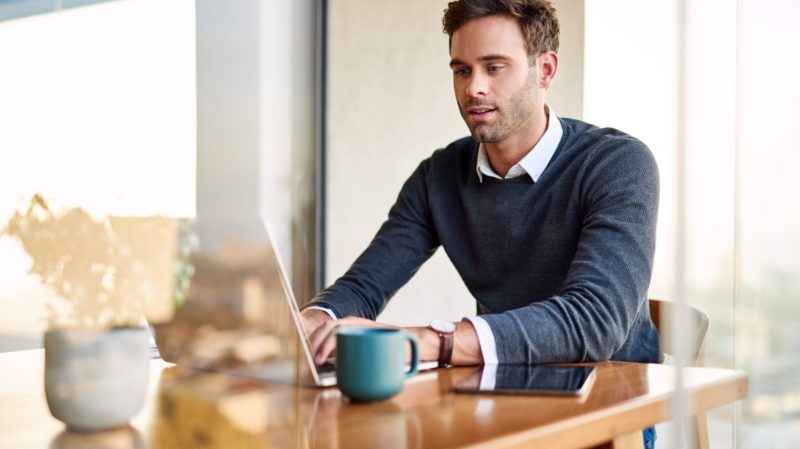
column 235, row 311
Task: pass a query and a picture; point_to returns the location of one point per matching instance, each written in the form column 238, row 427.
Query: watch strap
column 445, row 348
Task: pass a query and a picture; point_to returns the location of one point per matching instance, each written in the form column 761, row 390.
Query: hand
column 312, row 319
column 323, row 338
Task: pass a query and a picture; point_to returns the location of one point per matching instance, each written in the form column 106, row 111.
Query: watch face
column 443, row 326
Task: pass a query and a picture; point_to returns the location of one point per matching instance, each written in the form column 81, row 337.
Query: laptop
column 236, row 311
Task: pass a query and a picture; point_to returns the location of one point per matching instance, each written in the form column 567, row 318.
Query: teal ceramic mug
column 370, row 363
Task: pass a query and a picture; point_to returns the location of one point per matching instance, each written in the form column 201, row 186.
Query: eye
column 461, row 71
column 494, row 68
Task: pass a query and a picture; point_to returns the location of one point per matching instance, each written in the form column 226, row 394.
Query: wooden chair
column 663, row 313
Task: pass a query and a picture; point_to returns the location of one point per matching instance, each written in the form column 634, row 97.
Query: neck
column 506, row 153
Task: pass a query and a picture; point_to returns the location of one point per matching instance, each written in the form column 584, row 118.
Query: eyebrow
column 456, row 62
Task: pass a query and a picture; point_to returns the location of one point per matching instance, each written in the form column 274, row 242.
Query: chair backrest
column 663, row 312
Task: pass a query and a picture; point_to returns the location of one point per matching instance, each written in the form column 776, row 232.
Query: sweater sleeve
column 403, row 243
column 598, row 304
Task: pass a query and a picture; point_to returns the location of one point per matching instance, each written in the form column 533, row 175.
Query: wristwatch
column 445, row 329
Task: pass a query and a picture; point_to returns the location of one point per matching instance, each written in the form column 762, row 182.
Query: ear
column 548, row 66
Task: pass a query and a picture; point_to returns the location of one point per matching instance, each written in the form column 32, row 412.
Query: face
column 497, row 90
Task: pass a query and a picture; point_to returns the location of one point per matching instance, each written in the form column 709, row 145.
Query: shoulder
column 462, row 148
column 606, row 148
column 605, row 163
column 454, row 158
column 590, row 137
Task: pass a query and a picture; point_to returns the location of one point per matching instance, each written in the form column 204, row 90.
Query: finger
column 320, row 334
column 327, row 348
column 323, row 341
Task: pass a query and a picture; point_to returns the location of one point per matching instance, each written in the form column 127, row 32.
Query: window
column 99, row 110
column 737, row 255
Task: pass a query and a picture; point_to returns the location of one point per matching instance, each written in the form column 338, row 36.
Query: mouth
column 480, row 113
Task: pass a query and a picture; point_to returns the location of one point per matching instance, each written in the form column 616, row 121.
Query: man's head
column 503, row 56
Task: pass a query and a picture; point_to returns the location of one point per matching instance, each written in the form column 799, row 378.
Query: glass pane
column 186, row 119
column 95, row 114
column 638, row 93
column 768, row 340
column 741, row 101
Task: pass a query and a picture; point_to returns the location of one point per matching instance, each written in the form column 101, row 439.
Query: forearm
column 559, row 329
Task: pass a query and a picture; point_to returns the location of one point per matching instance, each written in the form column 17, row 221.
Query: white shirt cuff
column 485, row 339
column 488, row 377
column 324, row 309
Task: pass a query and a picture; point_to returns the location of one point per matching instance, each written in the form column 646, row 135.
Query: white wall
column 390, row 105
column 566, row 93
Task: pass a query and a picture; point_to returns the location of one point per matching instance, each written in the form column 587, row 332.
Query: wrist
column 445, row 330
column 468, row 349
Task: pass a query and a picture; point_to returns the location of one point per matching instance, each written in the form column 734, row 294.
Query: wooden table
column 190, row 409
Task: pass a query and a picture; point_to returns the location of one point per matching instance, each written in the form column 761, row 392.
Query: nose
column 477, row 85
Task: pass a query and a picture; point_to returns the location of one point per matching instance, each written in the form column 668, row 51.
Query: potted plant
column 111, row 275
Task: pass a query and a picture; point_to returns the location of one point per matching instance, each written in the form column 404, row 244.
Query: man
column 549, row 221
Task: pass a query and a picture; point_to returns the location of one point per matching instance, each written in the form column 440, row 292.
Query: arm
column 403, row 243
column 595, row 310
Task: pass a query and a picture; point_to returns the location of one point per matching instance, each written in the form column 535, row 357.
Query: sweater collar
column 537, row 158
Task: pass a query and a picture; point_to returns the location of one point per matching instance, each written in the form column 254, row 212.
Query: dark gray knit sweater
column 559, row 268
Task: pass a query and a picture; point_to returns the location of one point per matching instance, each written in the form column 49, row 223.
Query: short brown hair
column 536, row 18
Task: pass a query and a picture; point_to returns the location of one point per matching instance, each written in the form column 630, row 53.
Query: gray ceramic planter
column 96, row 380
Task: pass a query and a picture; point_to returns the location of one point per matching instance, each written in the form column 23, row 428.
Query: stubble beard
column 510, row 116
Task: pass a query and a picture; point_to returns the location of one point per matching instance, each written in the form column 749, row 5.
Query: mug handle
column 412, row 371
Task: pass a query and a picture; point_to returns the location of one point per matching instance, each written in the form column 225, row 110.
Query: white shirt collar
column 537, row 158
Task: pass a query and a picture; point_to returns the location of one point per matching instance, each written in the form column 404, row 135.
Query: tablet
column 529, row 379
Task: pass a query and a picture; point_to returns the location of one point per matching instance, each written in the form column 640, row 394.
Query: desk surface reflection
column 188, row 408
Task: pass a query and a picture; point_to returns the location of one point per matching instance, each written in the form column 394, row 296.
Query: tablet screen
column 529, row 379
